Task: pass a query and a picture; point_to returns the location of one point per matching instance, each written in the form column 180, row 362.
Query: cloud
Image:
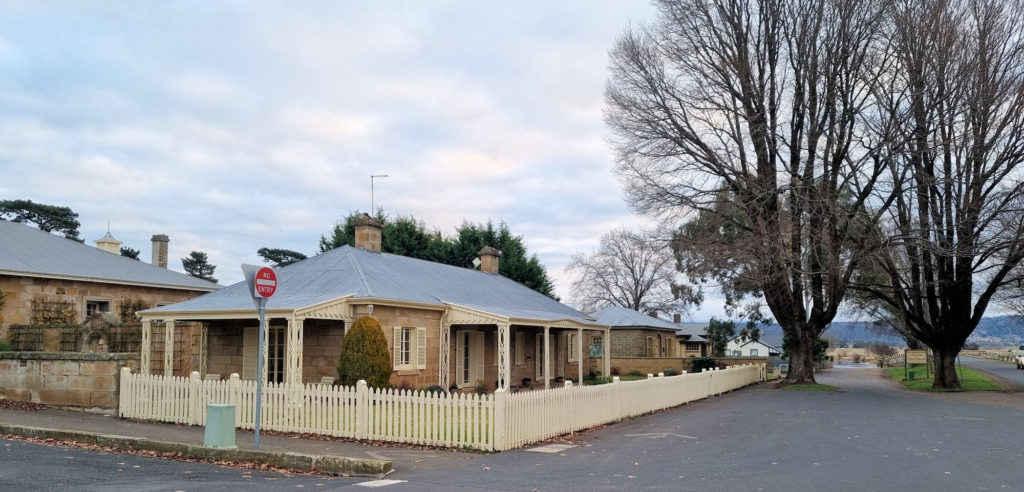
column 231, row 128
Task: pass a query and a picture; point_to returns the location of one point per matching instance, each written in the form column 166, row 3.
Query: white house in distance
column 750, row 348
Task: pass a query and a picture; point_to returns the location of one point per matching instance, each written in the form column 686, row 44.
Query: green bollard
column 220, row 426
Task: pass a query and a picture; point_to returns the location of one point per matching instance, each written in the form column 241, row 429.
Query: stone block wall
column 84, row 381
column 19, row 292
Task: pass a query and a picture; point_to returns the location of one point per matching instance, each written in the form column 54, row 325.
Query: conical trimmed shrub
column 364, row 355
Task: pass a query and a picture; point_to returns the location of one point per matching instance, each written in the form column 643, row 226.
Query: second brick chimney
column 489, row 259
column 368, row 232
column 160, row 249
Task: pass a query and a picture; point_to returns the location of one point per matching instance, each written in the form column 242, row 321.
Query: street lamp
column 372, row 209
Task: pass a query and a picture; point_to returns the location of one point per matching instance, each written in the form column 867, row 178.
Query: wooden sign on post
column 916, row 356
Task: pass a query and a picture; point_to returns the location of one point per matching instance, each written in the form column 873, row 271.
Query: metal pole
column 262, row 304
column 373, row 210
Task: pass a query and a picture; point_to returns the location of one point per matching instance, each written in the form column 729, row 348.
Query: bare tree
column 750, row 116
column 953, row 109
column 631, row 269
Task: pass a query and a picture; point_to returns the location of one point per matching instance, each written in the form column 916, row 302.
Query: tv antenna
column 373, row 209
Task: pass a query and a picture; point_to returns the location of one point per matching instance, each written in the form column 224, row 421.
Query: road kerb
column 335, row 465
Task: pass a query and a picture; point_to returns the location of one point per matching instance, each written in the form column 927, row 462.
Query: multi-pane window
column 409, row 348
column 95, row 306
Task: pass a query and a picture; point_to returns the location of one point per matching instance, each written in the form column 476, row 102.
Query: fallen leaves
column 23, row 406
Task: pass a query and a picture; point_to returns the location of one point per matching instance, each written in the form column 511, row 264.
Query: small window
column 96, row 306
column 736, row 353
column 409, row 348
column 692, row 347
column 597, row 346
column 753, row 352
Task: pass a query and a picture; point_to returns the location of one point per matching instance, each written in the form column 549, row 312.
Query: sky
column 231, row 126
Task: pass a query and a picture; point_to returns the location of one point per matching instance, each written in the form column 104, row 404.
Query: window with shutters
column 409, row 348
column 570, row 346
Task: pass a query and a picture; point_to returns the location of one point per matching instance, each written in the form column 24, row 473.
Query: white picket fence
column 488, row 422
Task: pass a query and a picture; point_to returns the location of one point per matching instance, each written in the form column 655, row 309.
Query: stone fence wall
column 80, row 380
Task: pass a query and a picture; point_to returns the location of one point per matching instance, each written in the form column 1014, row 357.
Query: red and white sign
column 266, row 282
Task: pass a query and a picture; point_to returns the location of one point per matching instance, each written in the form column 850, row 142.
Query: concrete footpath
column 293, row 452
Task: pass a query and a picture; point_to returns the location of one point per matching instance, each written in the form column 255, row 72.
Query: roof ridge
column 359, row 270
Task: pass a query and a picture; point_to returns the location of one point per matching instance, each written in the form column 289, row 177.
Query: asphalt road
column 29, row 466
column 1007, row 370
column 871, row 435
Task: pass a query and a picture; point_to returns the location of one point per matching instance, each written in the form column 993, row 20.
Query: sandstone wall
column 86, row 381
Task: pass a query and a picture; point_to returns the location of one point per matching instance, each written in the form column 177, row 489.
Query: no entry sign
column 266, row 282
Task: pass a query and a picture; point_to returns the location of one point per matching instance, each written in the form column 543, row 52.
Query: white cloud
column 231, row 127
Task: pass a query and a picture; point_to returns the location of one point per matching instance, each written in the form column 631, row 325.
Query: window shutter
column 250, row 341
column 460, row 340
column 421, row 348
column 478, row 356
column 396, row 344
column 520, row 348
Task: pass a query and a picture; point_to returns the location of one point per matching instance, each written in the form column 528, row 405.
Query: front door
column 469, row 358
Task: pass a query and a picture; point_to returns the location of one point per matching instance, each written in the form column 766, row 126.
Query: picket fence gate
column 487, row 422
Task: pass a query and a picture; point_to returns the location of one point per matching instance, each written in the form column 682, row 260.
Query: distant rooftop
column 620, row 317
column 29, row 252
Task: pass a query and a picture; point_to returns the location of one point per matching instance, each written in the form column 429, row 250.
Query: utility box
column 220, row 426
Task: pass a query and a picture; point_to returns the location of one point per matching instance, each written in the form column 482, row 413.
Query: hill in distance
column 997, row 331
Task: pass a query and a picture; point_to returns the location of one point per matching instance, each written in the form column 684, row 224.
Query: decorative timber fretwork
column 334, row 309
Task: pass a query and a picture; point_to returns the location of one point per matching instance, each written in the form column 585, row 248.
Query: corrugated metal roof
column 364, row 274
column 620, row 317
column 27, row 251
column 693, row 330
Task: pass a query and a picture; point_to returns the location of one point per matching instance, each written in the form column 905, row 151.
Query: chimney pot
column 160, row 249
column 368, row 231
column 490, row 259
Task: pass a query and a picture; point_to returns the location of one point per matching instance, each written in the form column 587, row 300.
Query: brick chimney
column 160, row 249
column 489, row 259
column 368, row 232
column 676, row 318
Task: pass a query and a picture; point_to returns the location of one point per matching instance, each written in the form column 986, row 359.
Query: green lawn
column 970, row 380
column 809, row 387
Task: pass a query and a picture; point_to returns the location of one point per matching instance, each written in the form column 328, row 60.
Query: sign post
column 262, row 282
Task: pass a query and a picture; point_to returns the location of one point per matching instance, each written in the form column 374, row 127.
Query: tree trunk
column 801, row 359
column 945, row 368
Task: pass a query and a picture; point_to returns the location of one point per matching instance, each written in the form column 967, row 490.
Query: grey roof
column 620, row 317
column 30, row 252
column 693, row 331
column 364, row 274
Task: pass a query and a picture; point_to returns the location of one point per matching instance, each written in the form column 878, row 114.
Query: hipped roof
column 29, row 252
column 355, row 274
column 620, row 317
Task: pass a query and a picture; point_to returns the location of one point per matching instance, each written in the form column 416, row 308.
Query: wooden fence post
column 362, row 409
column 193, row 399
column 235, row 389
column 125, row 396
column 499, row 443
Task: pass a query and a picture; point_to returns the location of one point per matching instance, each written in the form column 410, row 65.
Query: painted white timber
column 487, row 422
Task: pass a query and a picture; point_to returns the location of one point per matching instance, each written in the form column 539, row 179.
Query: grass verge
column 970, row 380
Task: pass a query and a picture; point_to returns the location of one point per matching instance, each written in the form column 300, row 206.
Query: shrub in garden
column 364, row 355
column 670, row 372
column 698, row 364
column 636, row 373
